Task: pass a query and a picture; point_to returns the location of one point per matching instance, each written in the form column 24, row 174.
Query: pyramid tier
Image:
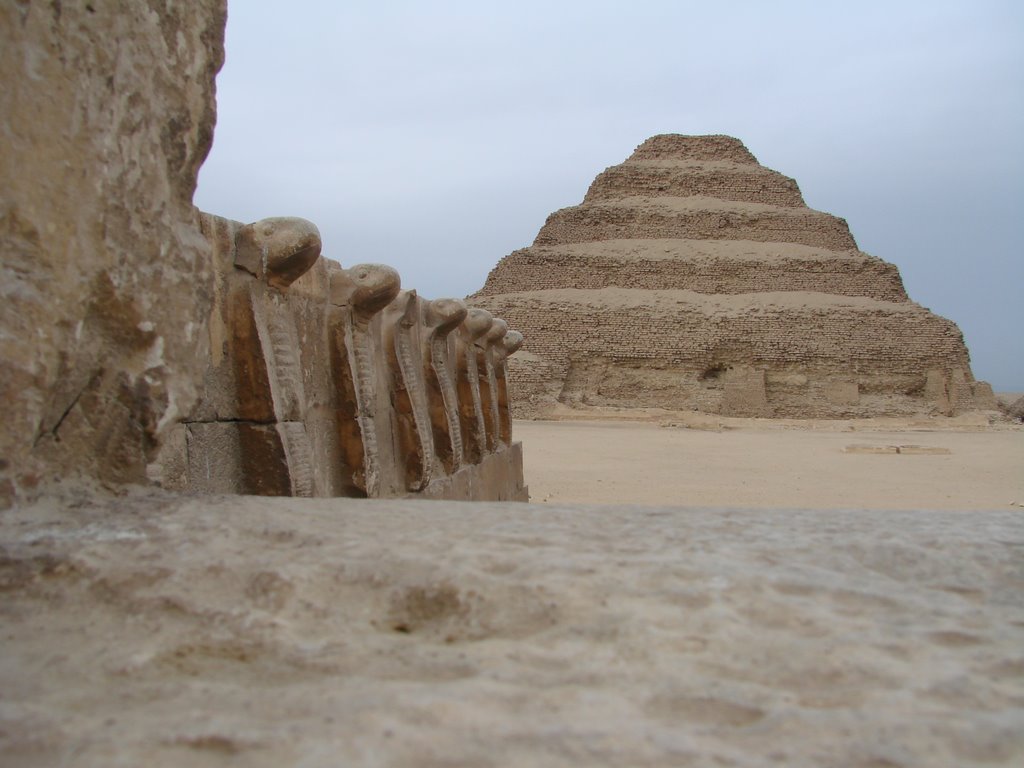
column 703, row 266
column 696, row 218
column 721, row 179
column 673, row 146
column 802, row 354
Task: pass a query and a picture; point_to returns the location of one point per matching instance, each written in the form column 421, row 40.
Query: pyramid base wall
column 739, row 390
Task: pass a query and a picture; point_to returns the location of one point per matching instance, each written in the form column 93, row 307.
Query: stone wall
column 142, row 341
column 691, row 277
column 677, row 350
column 325, row 381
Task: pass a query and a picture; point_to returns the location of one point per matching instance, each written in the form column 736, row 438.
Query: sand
column 712, row 461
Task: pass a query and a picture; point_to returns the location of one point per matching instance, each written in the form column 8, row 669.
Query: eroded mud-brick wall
column 691, row 277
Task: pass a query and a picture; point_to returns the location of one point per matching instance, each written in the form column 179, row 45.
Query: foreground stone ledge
column 227, row 630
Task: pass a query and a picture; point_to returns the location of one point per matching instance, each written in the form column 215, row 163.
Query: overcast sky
column 438, row 136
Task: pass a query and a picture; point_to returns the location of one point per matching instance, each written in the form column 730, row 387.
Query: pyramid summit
column 692, row 277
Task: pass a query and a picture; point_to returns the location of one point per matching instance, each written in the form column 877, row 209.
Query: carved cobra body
column 364, row 290
column 440, row 318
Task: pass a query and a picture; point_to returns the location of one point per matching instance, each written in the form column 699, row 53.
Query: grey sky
column 437, row 136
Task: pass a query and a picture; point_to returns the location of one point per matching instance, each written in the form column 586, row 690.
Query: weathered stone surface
column 691, row 277
column 1016, row 409
column 107, row 112
column 277, row 632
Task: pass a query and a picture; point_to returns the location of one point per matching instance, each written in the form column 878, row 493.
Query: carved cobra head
column 496, row 332
column 444, row 315
column 511, row 343
column 281, row 248
column 371, row 287
column 477, row 323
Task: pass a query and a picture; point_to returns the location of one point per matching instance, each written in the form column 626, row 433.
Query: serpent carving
column 326, row 381
column 440, row 318
column 364, row 290
column 488, row 379
column 471, row 411
column 409, row 391
column 509, row 345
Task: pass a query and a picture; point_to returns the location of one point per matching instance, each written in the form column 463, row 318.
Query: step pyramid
column 691, row 277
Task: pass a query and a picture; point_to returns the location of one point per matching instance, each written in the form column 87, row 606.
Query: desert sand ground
column 157, row 630
column 699, row 460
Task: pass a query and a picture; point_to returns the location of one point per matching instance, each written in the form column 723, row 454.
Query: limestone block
column 842, row 392
column 107, row 111
column 936, row 392
column 983, row 397
column 238, row 457
column 743, row 392
column 961, row 398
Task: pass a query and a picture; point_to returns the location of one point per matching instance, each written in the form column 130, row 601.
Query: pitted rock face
column 477, row 323
column 444, row 315
column 283, row 248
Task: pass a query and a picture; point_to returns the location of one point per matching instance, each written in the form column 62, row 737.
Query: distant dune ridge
column 692, row 277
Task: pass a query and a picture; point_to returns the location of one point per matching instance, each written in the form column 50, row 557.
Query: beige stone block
column 842, row 393
column 983, row 396
column 744, row 393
